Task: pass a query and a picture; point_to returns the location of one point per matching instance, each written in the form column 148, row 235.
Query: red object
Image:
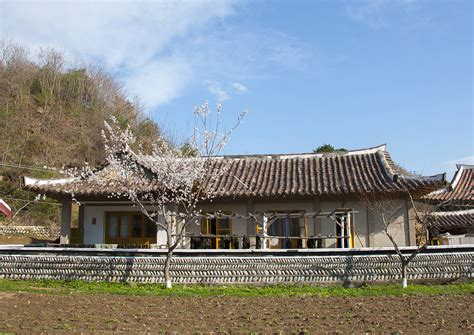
column 5, row 209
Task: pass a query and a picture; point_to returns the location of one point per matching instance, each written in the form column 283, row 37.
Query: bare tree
column 387, row 210
column 167, row 185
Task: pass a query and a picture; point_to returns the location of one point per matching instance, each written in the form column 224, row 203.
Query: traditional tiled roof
column 452, row 219
column 461, row 190
column 269, row 176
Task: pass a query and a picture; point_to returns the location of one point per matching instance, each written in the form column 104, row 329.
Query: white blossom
column 167, row 183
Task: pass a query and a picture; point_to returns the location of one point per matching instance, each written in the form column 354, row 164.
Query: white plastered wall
column 400, row 227
column 367, row 228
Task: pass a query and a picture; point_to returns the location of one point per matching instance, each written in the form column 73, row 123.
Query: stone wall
column 233, row 268
column 32, row 231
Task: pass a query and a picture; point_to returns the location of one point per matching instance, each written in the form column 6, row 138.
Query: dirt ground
column 34, row 313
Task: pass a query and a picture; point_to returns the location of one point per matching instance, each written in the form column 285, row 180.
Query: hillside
column 52, row 114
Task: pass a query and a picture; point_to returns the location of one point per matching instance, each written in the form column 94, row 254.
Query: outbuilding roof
column 451, row 219
column 287, row 175
column 461, row 190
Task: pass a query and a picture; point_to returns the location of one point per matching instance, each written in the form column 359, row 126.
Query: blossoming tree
column 167, row 185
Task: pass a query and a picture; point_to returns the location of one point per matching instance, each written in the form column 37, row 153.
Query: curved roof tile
column 360, row 171
column 452, row 219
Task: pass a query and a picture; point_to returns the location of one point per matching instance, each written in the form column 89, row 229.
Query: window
column 113, row 226
column 344, row 230
column 124, row 226
column 284, row 229
column 150, row 228
column 129, row 228
column 137, row 226
column 222, row 227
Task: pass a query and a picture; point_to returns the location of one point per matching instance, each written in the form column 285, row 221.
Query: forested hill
column 52, row 114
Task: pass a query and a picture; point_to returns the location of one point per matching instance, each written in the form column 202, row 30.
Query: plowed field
column 34, row 313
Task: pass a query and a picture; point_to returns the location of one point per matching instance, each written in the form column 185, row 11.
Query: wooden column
column 250, row 222
column 409, row 224
column 161, row 237
column 80, row 224
column 265, row 235
column 317, row 229
column 251, row 229
column 65, row 220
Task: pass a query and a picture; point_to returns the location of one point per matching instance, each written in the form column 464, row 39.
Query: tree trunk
column 404, row 274
column 169, row 254
column 167, row 273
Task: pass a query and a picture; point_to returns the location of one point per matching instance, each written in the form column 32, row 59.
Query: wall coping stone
column 25, row 249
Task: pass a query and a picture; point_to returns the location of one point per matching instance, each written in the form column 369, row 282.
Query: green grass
column 81, row 287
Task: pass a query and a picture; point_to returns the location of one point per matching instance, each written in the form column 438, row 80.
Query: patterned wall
column 220, row 269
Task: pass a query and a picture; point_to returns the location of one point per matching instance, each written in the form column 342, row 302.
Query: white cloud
column 158, row 49
column 220, row 93
column 236, row 55
column 223, row 93
column 239, row 87
column 368, row 11
column 383, row 13
column 127, row 37
column 160, row 81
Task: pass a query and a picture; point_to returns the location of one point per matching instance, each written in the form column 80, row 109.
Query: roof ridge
column 465, row 166
column 29, row 181
column 387, row 164
column 371, row 150
column 459, row 212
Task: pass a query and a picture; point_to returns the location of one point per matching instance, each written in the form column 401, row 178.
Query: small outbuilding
column 453, row 222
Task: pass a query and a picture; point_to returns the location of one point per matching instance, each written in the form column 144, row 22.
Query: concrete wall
column 367, row 227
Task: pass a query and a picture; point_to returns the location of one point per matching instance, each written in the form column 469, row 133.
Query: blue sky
column 351, row 73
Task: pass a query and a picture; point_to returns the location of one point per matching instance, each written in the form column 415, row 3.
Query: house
column 313, row 200
column 453, row 220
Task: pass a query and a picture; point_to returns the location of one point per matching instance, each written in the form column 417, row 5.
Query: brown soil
column 26, row 313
